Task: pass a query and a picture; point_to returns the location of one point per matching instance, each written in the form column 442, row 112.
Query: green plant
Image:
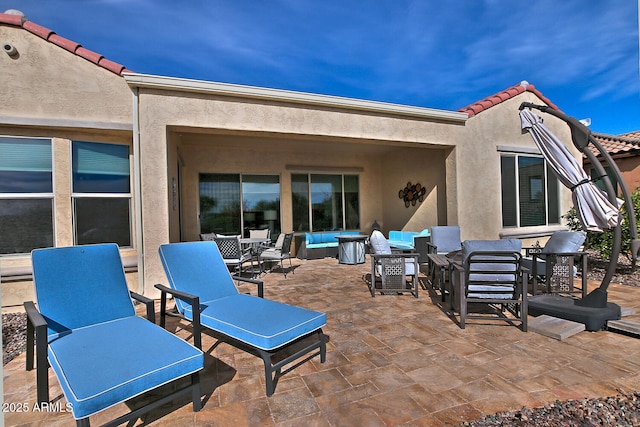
column 603, row 242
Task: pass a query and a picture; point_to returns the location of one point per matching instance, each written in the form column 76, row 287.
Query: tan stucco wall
column 46, row 81
column 51, row 93
column 249, row 136
column 479, row 182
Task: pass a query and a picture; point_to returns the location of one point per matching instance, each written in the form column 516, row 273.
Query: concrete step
column 627, row 326
column 553, row 327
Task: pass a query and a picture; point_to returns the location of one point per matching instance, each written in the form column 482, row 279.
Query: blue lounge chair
column 100, row 351
column 206, row 296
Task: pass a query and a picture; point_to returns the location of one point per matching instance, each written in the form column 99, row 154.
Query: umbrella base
column 593, row 318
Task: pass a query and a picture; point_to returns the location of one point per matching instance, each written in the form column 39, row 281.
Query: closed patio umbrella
column 593, row 208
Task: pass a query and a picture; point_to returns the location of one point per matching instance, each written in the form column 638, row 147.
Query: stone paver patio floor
column 391, row 361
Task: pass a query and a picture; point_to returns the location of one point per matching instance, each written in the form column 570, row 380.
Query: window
column 234, row 203
column 529, row 192
column 101, row 193
column 597, row 179
column 325, row 202
column 26, row 195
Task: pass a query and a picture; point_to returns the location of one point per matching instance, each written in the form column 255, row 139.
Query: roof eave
column 136, row 80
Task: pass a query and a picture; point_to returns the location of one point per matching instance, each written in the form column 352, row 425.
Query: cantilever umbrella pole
column 581, row 137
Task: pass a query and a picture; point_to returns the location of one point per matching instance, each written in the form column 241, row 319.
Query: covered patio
column 391, row 360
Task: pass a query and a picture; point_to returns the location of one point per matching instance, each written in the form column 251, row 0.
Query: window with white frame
column 26, row 194
column 325, row 202
column 101, row 193
column 530, row 192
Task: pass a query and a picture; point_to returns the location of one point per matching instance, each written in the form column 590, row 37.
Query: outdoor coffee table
column 351, row 248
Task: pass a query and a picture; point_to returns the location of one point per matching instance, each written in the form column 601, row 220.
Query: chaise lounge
column 207, row 297
column 86, row 328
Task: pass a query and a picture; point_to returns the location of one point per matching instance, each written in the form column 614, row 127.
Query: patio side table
column 438, row 266
column 351, row 249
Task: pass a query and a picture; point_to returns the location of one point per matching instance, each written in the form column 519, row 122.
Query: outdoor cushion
column 559, row 242
column 258, row 322
column 564, row 241
column 196, row 269
column 475, row 290
column 379, row 243
column 381, row 246
column 470, row 246
column 100, row 351
column 325, row 239
column 446, row 238
column 97, row 365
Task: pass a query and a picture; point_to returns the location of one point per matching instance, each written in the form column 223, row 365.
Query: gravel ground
column 14, row 336
column 620, row 411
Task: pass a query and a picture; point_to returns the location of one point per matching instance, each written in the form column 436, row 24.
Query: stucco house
column 91, row 151
column 625, row 150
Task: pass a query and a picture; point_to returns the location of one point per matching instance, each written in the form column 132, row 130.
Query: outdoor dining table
column 255, row 245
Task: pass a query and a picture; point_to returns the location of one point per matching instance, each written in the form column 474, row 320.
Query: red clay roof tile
column 67, row 44
column 38, row 30
column 6, row 18
column 111, row 66
column 616, row 145
column 490, row 101
column 89, row 55
column 632, row 135
column 71, row 46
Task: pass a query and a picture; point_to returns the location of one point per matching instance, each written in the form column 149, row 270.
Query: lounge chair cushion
column 258, row 322
column 261, row 323
column 98, row 364
column 199, row 272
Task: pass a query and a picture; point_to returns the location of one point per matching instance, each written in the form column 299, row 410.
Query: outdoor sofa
column 404, row 239
column 323, row 244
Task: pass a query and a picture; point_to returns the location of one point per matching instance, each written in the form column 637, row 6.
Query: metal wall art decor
column 412, row 193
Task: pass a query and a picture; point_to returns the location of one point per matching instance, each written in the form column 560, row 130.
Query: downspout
column 137, row 188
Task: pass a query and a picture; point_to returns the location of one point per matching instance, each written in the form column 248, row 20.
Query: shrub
column 603, row 242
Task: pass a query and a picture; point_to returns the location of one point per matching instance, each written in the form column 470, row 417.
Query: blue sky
column 581, row 54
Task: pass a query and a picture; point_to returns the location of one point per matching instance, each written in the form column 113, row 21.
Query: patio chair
column 260, row 234
column 232, row 253
column 487, row 282
column 100, row 351
column 389, row 271
column 279, row 254
column 555, row 263
column 206, row 296
column 208, row 237
column 445, row 239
